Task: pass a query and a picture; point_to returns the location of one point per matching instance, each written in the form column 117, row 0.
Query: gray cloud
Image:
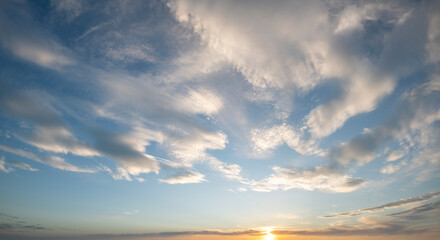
column 394, row 204
column 50, row 132
column 388, row 229
column 21, row 165
column 416, row 211
column 122, row 149
column 248, row 232
column 10, row 223
column 26, row 40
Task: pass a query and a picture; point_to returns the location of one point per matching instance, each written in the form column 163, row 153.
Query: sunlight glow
column 269, row 236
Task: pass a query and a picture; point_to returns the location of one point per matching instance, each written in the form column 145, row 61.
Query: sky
column 251, row 120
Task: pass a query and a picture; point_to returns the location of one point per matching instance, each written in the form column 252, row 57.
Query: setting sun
column 269, row 236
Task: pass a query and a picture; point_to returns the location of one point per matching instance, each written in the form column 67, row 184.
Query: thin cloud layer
column 395, row 204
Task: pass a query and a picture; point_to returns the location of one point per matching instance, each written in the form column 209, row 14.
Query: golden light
column 269, row 236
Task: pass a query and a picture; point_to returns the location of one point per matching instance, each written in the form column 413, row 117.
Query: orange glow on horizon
column 269, row 236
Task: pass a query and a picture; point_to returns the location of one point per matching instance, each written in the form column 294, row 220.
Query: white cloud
column 118, row 174
column 131, row 212
column 49, row 56
column 193, row 146
column 279, row 52
column 58, row 140
column 395, row 155
column 185, row 177
column 202, row 101
column 353, row 16
column 362, row 95
column 22, row 166
column 264, row 140
column 4, row 167
column 414, row 116
column 389, row 169
column 267, row 139
column 53, row 161
column 256, row 46
column 231, row 171
column 132, row 53
column 321, row 178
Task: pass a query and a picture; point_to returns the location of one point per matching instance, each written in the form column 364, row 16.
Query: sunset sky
column 250, row 120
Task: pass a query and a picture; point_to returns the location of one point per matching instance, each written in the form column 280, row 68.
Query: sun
column 269, row 236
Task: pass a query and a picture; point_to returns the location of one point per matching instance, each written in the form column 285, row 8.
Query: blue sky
column 219, row 119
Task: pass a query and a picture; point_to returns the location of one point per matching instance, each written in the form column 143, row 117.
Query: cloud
column 53, row 161
column 412, row 221
column 276, row 52
column 260, row 55
column 395, row 155
column 322, row 177
column 389, row 169
column 131, row 212
column 416, row 111
column 264, row 140
column 395, row 204
column 432, row 45
column 230, row 171
column 133, row 53
column 10, row 223
column 118, row 174
column 387, row 228
column 50, row 132
column 4, row 167
column 192, row 147
column 71, row 8
column 202, row 101
column 362, row 95
column 128, row 150
column 419, row 209
column 248, row 232
column 21, row 165
column 22, row 36
column 184, row 177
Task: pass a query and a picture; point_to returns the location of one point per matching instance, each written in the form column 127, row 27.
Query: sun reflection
column 269, row 236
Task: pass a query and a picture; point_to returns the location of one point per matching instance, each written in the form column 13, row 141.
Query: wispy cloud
column 184, row 177
column 27, row 41
column 6, row 166
column 395, row 204
column 322, row 177
column 416, row 211
column 53, row 161
column 10, row 224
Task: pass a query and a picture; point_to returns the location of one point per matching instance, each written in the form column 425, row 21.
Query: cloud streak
column 53, row 161
column 395, row 204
